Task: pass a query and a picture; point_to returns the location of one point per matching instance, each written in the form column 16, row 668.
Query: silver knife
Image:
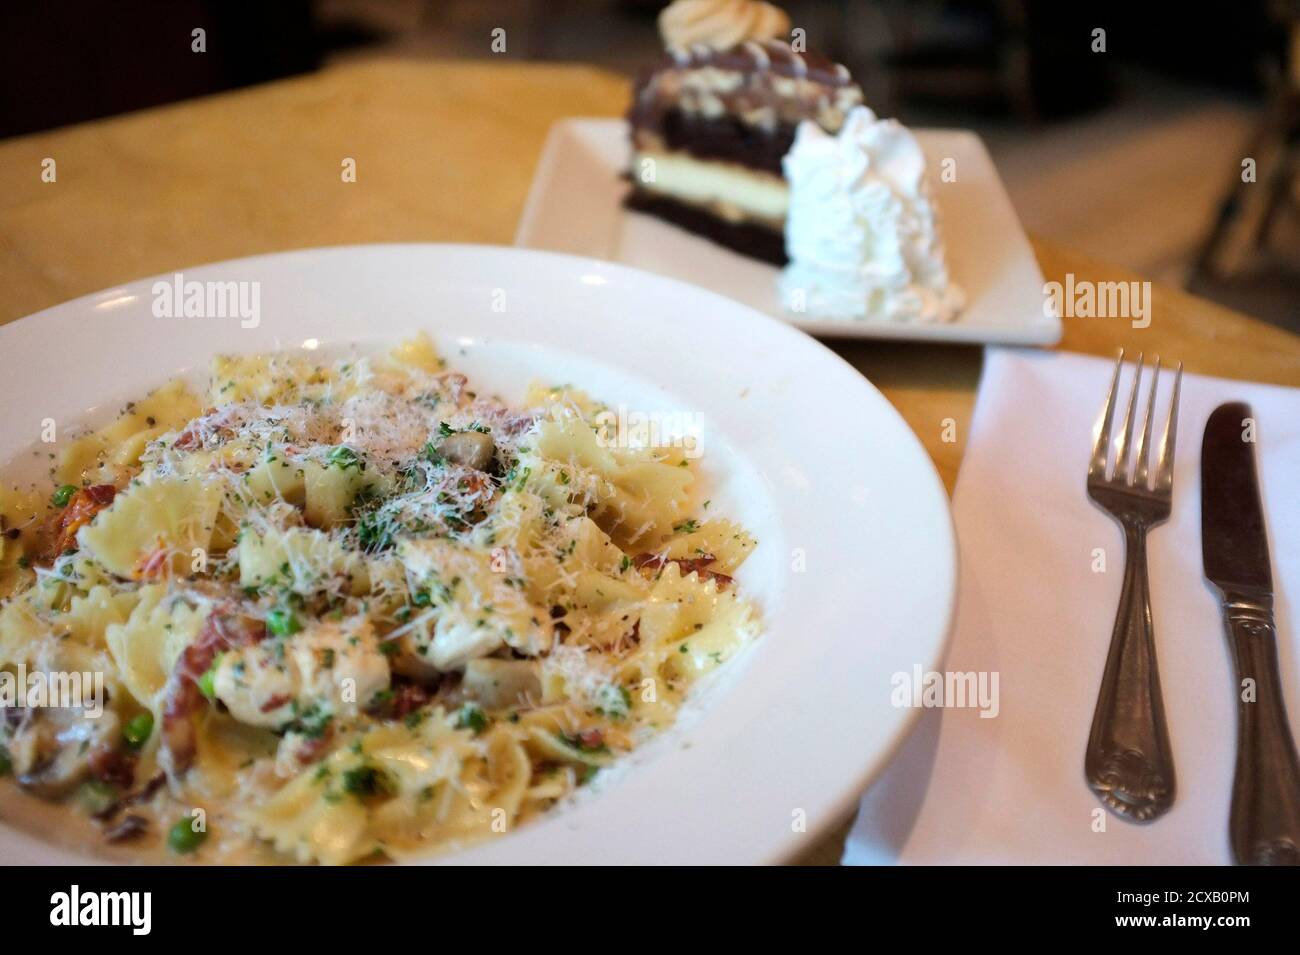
column 1264, row 825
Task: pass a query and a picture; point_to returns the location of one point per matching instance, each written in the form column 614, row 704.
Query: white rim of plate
column 593, row 830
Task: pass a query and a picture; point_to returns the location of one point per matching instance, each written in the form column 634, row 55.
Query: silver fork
column 1129, row 764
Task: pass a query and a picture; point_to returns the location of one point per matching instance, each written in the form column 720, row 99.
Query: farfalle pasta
column 354, row 610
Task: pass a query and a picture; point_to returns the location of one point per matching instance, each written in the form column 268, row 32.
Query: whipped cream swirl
column 720, row 24
column 862, row 232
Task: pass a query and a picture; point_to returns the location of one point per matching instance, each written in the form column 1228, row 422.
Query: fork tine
column 1101, row 444
column 1125, row 442
column 1165, row 464
column 1146, row 437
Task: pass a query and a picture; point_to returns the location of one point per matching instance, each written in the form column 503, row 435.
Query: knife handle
column 1265, row 818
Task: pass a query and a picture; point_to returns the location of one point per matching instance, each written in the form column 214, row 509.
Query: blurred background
column 1132, row 155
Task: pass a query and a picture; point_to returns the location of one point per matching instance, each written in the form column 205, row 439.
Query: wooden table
column 444, row 152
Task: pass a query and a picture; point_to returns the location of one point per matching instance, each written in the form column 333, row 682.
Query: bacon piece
column 225, row 628
column 455, row 384
column 153, row 565
column 631, row 639
column 274, row 703
column 146, row 792
column 80, row 511
column 469, row 481
column 591, row 739
column 143, row 794
column 131, row 827
column 191, row 439
column 311, row 749
column 502, row 419
column 405, row 698
column 112, row 765
column 513, row 425
column 472, row 491
column 689, row 565
column 101, row 494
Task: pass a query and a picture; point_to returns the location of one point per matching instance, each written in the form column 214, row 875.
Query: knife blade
column 1234, row 543
column 1264, row 822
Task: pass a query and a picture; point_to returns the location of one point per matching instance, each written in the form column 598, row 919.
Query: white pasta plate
column 575, row 206
column 853, row 576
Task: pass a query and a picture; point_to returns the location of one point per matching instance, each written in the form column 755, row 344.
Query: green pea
column 64, row 494
column 183, row 838
column 282, row 622
column 138, row 730
column 208, row 682
column 96, row 796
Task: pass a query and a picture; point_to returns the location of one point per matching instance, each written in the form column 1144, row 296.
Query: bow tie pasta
column 353, row 610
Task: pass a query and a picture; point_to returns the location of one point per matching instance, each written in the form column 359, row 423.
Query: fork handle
column 1265, row 820
column 1129, row 764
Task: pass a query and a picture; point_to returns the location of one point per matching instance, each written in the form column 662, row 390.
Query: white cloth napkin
column 1010, row 789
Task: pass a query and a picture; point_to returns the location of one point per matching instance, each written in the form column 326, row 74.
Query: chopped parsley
column 282, row 621
column 614, row 701
column 471, row 717
column 366, row 781
column 344, row 457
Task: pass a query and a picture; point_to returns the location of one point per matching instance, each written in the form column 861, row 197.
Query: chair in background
column 1277, row 139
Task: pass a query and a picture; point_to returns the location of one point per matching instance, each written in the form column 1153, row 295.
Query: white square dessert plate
column 575, row 206
column 855, row 570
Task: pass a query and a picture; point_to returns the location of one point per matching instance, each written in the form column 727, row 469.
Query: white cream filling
column 732, row 192
column 863, row 232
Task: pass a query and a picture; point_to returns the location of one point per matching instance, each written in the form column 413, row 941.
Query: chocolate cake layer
column 760, row 84
column 775, row 56
column 710, row 128
column 722, row 137
column 746, row 238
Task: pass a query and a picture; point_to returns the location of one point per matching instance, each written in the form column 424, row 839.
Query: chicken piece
column 56, row 749
column 500, row 683
column 474, row 610
column 330, row 668
column 227, row 627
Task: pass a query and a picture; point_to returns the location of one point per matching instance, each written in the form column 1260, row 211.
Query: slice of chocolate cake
column 713, row 119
